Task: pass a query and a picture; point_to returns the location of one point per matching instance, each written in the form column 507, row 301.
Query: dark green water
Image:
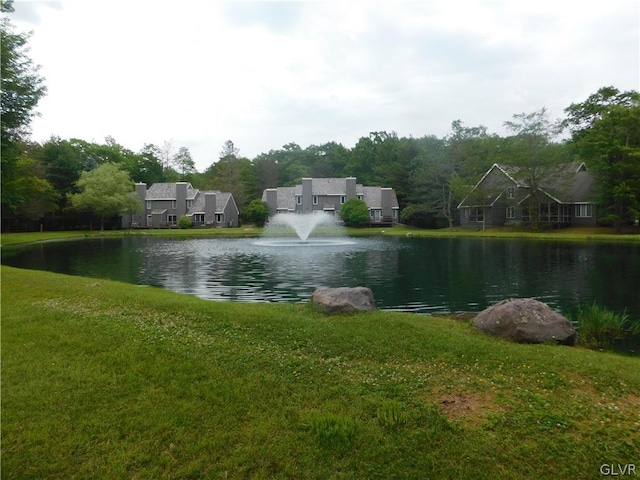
column 409, row 274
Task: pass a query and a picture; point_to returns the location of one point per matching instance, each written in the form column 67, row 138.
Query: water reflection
column 410, row 274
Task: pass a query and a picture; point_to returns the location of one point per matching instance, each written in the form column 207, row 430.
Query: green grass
column 106, row 380
column 569, row 234
column 599, row 327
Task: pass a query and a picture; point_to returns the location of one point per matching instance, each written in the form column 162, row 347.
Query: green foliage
column 258, row 212
column 354, row 213
column 605, row 131
column 105, row 191
column 418, row 216
column 599, row 327
column 22, row 86
column 185, row 222
column 28, row 194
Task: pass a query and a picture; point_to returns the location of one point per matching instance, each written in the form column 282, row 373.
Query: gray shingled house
column 329, row 194
column 503, row 197
column 164, row 204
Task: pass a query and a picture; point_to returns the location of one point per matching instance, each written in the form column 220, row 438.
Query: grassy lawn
column 107, row 380
column 571, row 234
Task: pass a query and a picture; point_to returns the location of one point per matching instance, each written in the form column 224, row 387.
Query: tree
column 534, row 154
column 21, row 88
column 184, row 162
column 257, row 212
column 106, row 191
column 354, row 212
column 605, row 132
column 32, row 194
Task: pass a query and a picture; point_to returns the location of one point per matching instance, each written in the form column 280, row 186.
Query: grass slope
column 107, row 380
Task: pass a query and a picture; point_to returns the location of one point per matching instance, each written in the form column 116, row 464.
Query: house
column 164, row 204
column 329, row 194
column 503, row 197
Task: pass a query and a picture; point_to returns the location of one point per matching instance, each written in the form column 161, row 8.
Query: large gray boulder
column 344, row 299
column 525, row 320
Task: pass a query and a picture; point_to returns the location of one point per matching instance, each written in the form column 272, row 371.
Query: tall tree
column 531, row 149
column 183, row 162
column 106, row 191
column 21, row 88
column 605, row 132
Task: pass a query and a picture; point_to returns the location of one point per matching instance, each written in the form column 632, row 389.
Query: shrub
column 599, row 327
column 184, row 222
column 418, row 216
column 257, row 212
column 355, row 213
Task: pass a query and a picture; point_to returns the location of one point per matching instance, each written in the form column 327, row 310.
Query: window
column 148, row 204
column 198, row 217
column 584, row 210
column 298, row 199
column 172, row 218
column 342, row 199
column 476, row 214
column 315, row 199
column 375, row 214
column 511, row 192
column 511, row 212
column 174, row 204
column 189, row 204
column 359, row 197
column 219, row 217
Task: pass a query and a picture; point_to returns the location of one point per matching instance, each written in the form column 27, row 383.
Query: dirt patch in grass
column 466, row 407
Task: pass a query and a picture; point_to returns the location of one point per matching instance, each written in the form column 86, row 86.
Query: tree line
column 430, row 174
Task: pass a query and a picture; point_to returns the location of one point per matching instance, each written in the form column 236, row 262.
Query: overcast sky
column 267, row 73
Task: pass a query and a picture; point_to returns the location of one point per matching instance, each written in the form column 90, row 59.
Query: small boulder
column 525, row 320
column 344, row 299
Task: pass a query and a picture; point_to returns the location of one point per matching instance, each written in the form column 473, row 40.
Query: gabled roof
column 372, row 196
column 286, row 196
column 222, row 199
column 168, row 191
column 568, row 183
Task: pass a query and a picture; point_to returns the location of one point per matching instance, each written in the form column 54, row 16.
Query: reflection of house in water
column 164, row 203
column 329, row 194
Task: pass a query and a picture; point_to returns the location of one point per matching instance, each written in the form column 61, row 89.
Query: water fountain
column 309, row 229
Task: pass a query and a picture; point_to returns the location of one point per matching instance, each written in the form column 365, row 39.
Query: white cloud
column 268, row 73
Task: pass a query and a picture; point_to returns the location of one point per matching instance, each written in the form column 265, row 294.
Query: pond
column 422, row 275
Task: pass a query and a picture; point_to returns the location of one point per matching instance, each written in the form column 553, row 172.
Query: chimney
column 181, row 198
column 307, row 195
column 386, row 202
column 351, row 187
column 209, row 208
column 272, row 200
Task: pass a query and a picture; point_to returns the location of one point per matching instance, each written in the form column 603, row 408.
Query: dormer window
column 511, row 192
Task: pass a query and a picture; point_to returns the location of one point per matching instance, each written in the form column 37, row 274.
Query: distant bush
column 354, row 213
column 257, row 212
column 419, row 216
column 185, row 222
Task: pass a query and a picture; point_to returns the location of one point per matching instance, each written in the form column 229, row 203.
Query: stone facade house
column 503, row 197
column 164, row 204
column 329, row 194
